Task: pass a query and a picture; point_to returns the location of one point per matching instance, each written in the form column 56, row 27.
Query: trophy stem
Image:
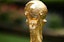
column 36, row 33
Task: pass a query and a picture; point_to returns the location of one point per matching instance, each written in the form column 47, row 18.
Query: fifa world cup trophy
column 35, row 12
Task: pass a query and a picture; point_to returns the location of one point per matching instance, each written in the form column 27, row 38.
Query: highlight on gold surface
column 35, row 12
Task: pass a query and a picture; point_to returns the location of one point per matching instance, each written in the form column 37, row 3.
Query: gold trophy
column 35, row 12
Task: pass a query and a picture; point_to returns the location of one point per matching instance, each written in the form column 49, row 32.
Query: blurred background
column 13, row 27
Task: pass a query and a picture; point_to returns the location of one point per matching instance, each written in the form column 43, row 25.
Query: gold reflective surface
column 35, row 12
